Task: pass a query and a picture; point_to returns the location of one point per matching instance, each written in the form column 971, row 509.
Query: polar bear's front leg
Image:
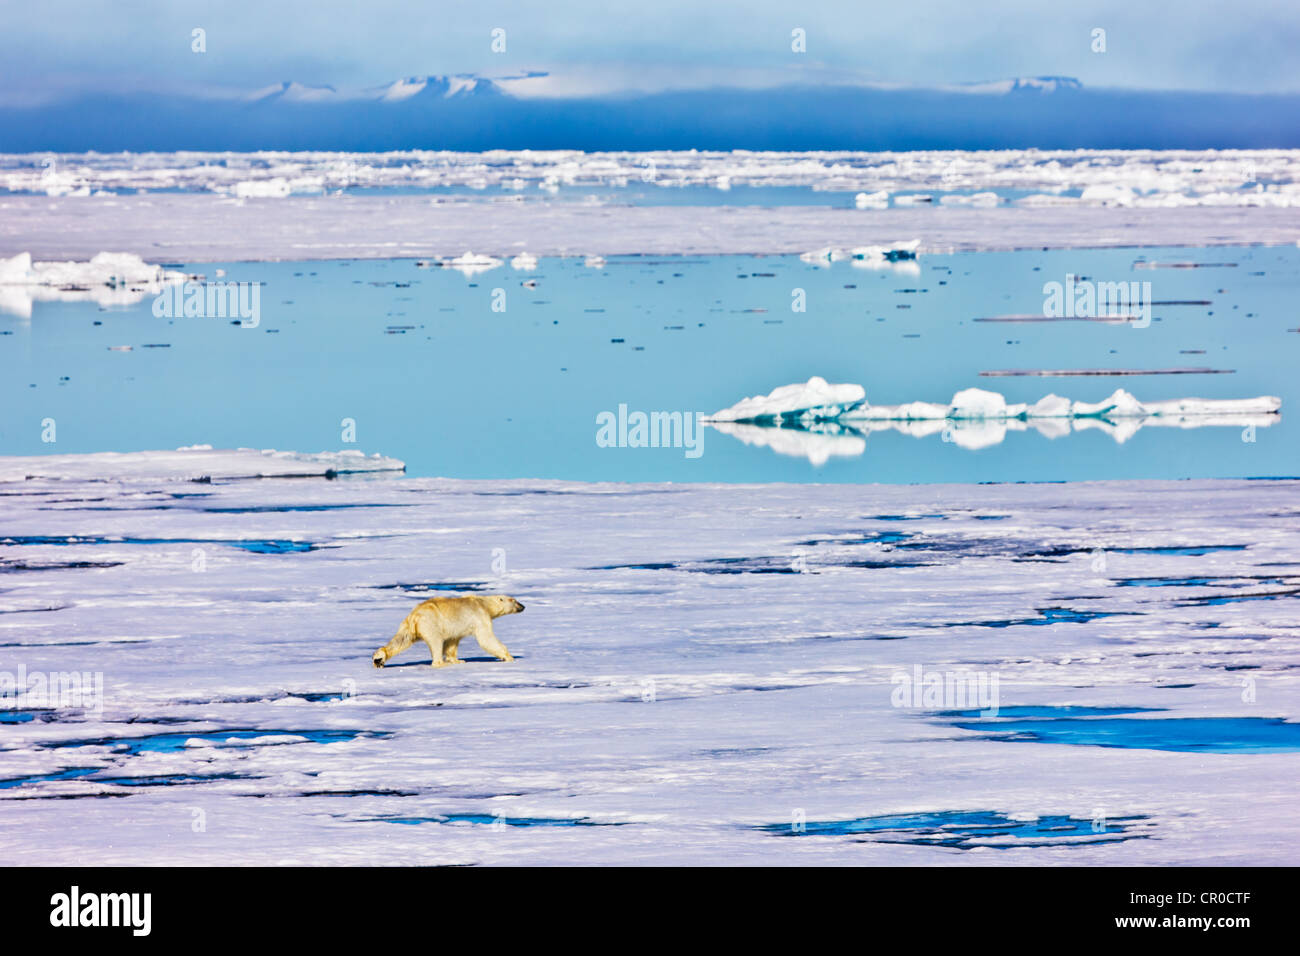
column 487, row 640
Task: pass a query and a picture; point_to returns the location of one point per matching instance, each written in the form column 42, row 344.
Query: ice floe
column 715, row 672
column 196, row 462
column 108, row 279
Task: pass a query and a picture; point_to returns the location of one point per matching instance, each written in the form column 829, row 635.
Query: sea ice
column 679, row 696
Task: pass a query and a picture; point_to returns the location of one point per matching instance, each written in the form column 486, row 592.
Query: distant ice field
column 505, row 369
column 1160, row 178
column 705, row 673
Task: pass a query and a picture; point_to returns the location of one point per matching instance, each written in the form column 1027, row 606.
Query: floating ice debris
column 594, row 262
column 470, row 264
column 835, row 418
column 108, row 279
column 872, row 256
column 896, row 251
column 197, row 462
column 913, row 199
column 524, row 261
column 876, row 200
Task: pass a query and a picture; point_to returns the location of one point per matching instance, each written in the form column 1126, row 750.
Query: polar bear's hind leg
column 449, row 649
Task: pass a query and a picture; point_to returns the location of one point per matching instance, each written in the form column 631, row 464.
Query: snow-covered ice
column 713, row 665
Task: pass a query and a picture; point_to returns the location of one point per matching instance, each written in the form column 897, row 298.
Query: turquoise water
column 429, row 373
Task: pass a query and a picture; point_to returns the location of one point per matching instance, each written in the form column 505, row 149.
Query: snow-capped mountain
column 1044, row 84
column 293, row 92
column 441, row 87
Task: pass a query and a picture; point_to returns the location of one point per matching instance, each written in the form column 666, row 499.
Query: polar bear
column 442, row 622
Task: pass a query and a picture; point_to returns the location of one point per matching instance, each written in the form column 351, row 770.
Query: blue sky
column 57, row 46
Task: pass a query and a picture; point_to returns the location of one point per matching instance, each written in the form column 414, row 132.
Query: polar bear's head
column 499, row 604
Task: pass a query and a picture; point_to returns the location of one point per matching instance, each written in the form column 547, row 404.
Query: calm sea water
column 429, row 373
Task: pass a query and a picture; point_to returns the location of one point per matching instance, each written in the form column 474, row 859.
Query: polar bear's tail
column 401, row 640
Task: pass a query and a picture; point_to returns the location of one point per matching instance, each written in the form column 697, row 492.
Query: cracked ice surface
column 699, row 665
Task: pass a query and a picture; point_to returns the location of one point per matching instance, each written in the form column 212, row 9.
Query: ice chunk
column 1120, row 404
column 876, row 200
column 813, row 399
column 524, row 261
column 17, row 270
column 470, row 264
column 977, row 403
column 1050, row 406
